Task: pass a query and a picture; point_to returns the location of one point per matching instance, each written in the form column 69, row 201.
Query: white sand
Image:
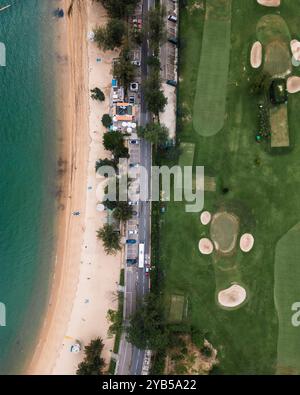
column 205, row 217
column 246, row 242
column 295, row 48
column 85, row 279
column 293, row 84
column 206, row 247
column 269, row 3
column 256, row 55
column 232, row 296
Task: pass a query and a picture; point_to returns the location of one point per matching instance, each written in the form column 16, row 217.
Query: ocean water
column 28, row 136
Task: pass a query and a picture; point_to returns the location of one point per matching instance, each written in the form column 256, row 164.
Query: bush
column 97, row 94
column 106, row 120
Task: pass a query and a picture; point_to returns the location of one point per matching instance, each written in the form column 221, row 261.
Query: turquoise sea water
column 28, row 166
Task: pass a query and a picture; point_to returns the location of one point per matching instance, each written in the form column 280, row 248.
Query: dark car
column 130, row 241
column 134, row 142
column 131, row 261
column 173, row 40
column 172, row 82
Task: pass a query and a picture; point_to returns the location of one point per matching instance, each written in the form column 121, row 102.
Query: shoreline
column 69, row 62
column 79, row 255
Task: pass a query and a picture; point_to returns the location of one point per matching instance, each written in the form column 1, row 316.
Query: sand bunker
column 256, row 55
column 269, row 3
column 246, row 242
column 232, row 296
column 206, row 246
column 205, row 217
column 295, row 48
column 293, row 84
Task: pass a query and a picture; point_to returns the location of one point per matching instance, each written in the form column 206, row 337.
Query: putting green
column 224, row 230
column 286, row 294
column 273, row 33
column 210, row 97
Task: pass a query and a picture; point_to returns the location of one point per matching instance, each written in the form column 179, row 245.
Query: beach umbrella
column 124, row 124
column 133, row 125
column 129, row 130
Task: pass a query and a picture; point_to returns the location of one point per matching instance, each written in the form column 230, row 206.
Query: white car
column 133, row 203
column 172, row 18
column 136, row 63
column 133, row 232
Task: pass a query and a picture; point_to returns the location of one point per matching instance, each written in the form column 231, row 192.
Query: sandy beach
column 85, row 280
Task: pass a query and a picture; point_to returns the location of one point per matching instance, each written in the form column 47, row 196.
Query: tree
column 147, row 328
column 110, row 36
column 114, row 141
column 123, row 211
column 92, row 364
column 154, row 132
column 97, row 94
column 110, row 238
column 119, row 8
column 154, row 96
column 123, row 69
column 105, row 162
column 156, row 28
column 106, row 120
column 260, row 84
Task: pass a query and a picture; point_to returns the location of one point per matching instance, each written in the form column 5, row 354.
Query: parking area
column 169, row 49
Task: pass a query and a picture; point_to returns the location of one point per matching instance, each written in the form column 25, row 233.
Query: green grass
column 210, row 97
column 287, row 275
column 263, row 192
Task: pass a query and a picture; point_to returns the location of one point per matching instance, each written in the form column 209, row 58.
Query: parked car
column 173, row 40
column 135, row 213
column 134, row 142
column 133, row 165
column 130, row 241
column 147, row 270
column 131, row 261
column 133, row 203
column 172, row 18
column 76, row 213
column 136, row 63
column 133, row 232
column 172, row 82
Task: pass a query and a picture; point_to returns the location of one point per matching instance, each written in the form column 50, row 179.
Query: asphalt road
column 137, row 283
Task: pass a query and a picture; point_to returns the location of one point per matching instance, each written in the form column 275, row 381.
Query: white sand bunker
column 256, row 55
column 232, row 296
column 293, row 84
column 295, row 48
column 269, row 3
column 205, row 217
column 206, row 247
column 246, row 242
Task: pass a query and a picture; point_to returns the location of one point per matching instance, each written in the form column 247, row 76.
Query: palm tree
column 110, row 238
column 123, row 211
column 92, row 364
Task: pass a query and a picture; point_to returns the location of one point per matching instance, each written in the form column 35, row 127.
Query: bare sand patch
column 295, row 48
column 205, row 217
column 279, row 126
column 269, row 3
column 206, row 247
column 232, row 296
column 256, row 55
column 293, row 84
column 246, row 242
